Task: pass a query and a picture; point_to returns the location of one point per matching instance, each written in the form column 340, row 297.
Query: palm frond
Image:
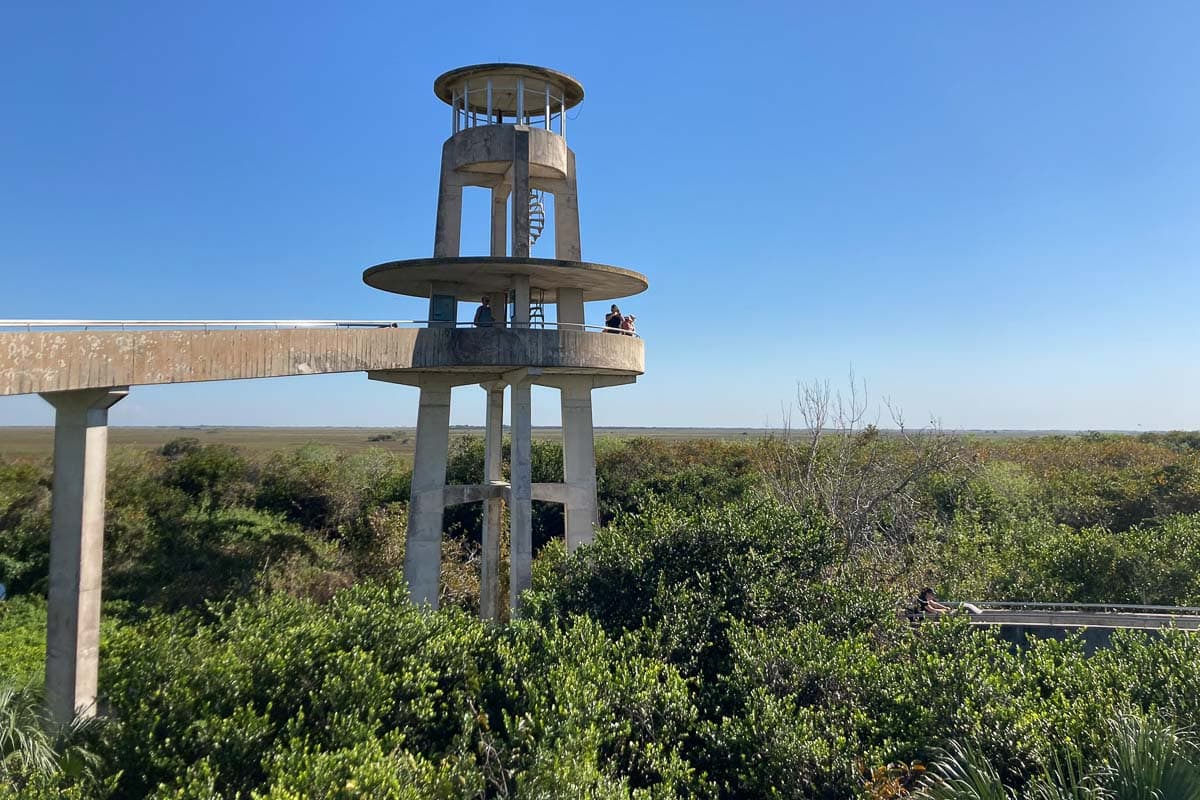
column 1152, row 760
column 961, row 772
column 25, row 745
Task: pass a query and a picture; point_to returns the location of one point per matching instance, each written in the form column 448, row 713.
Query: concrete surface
column 481, row 154
column 76, row 549
column 1094, row 629
column 479, row 275
column 493, row 512
column 520, row 512
column 53, row 362
column 442, row 86
column 423, row 553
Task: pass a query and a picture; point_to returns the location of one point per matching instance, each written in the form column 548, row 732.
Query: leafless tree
column 863, row 480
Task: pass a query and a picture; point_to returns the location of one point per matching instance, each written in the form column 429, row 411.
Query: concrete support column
column 500, row 220
column 570, row 308
column 500, row 247
column 521, row 303
column 579, row 461
column 499, row 309
column 566, row 216
column 493, row 512
column 423, row 553
column 520, row 543
column 448, row 229
column 520, row 193
column 76, row 549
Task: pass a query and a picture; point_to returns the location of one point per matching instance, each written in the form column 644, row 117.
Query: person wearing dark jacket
column 483, row 314
column 613, row 320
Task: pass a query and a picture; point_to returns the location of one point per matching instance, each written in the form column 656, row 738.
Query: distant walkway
column 1095, row 623
column 73, row 355
column 1091, row 615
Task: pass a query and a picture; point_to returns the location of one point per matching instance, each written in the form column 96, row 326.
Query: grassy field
column 31, row 442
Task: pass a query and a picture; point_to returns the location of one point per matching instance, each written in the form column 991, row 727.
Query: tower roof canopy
column 478, row 275
column 504, row 85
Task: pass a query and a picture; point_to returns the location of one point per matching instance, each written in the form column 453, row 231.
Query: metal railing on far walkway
column 31, row 325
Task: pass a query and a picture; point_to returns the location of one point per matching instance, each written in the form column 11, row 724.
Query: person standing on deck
column 483, row 314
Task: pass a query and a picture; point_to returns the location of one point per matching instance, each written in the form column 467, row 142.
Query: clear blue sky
column 990, row 210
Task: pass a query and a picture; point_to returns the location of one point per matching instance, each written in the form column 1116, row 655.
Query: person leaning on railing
column 928, row 603
column 613, row 320
column 483, row 314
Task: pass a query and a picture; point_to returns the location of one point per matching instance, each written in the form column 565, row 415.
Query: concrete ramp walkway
column 61, row 361
column 1095, row 624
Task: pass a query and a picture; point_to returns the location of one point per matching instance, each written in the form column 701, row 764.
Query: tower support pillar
column 570, row 309
column 76, row 549
column 447, row 234
column 493, row 511
column 423, row 550
column 566, row 216
column 500, row 220
column 520, row 544
column 520, row 317
column 520, row 193
column 579, row 460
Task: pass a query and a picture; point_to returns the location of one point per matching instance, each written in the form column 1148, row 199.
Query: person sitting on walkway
column 483, row 314
column 627, row 325
column 612, row 320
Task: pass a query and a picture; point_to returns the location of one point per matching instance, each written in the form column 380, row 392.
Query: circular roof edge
column 444, row 84
column 485, row 274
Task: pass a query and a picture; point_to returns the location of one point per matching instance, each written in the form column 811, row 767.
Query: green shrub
column 213, row 476
column 277, row 669
column 23, row 641
column 325, row 490
column 24, row 527
column 688, row 474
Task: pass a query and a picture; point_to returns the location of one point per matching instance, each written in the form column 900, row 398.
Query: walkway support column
column 423, row 551
column 579, row 460
column 493, row 513
column 76, row 549
column 520, row 544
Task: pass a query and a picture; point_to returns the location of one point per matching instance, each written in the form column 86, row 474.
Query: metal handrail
column 30, row 324
column 1102, row 607
column 194, row 323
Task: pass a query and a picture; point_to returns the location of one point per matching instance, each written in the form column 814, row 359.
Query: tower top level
column 507, row 94
column 509, row 136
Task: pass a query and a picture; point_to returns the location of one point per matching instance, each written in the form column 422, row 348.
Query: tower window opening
column 475, row 236
column 509, row 101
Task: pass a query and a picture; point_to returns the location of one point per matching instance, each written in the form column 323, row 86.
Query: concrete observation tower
column 508, row 134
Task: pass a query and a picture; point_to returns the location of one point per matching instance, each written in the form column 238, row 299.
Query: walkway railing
column 1068, row 616
column 30, row 325
column 173, row 324
column 1090, row 608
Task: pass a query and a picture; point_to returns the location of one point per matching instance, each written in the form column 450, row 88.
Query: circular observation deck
column 554, row 350
column 474, row 276
column 508, row 94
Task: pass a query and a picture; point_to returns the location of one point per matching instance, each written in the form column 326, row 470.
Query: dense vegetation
column 733, row 632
